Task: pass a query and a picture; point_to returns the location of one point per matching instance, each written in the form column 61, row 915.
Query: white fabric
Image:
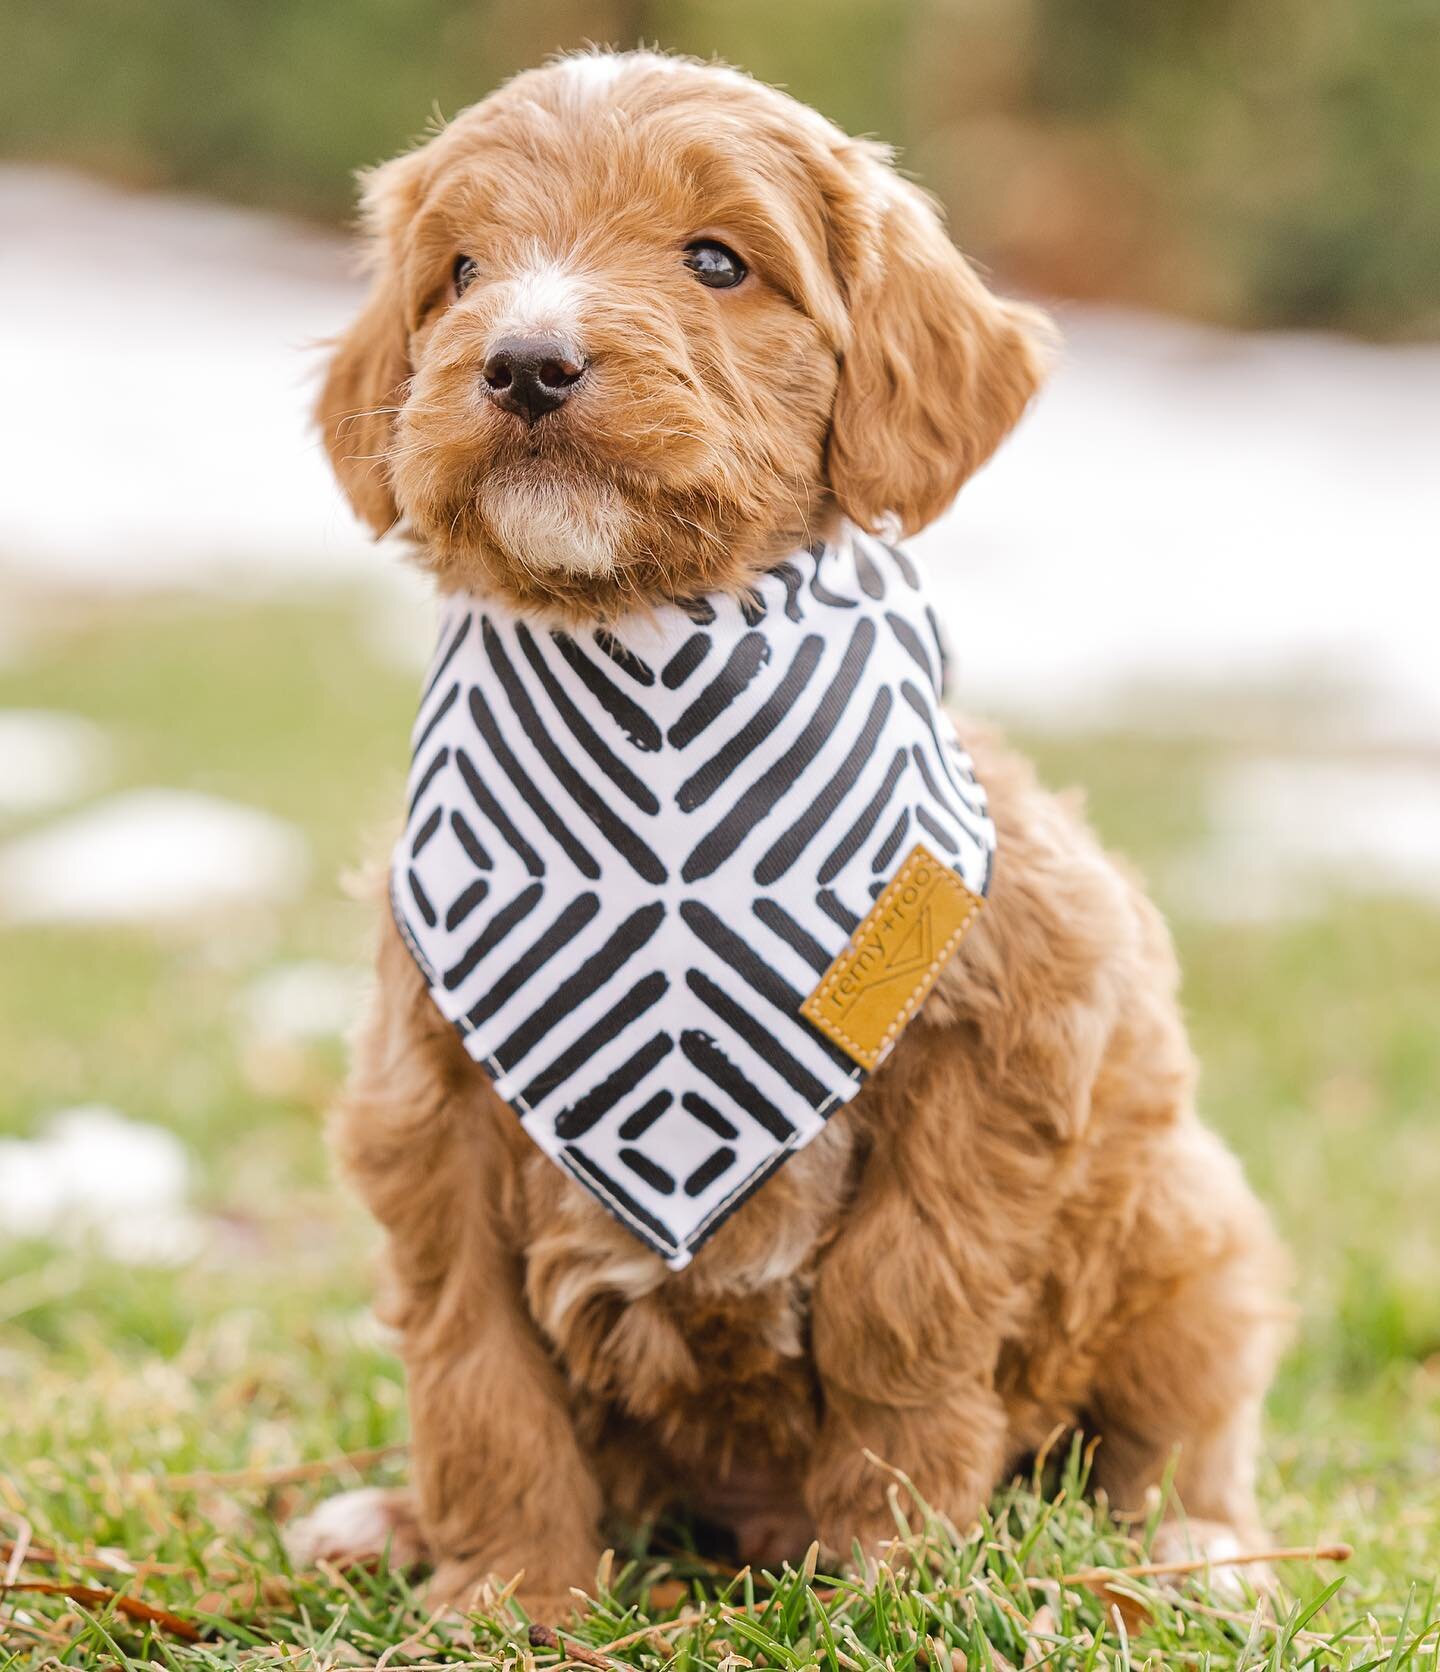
column 631, row 854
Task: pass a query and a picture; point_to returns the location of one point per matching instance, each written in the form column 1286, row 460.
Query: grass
column 129, row 1395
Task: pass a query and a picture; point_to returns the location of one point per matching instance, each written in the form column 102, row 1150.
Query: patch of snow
column 1288, row 834
column 1195, row 507
column 47, row 759
column 94, row 1177
column 193, row 365
column 150, row 856
column 295, row 1003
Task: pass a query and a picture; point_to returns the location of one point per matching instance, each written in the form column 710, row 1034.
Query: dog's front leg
column 500, row 1482
column 952, row 1448
column 500, row 1479
column 894, row 1394
column 910, row 1305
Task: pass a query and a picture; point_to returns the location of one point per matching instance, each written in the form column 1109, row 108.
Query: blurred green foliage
column 1256, row 161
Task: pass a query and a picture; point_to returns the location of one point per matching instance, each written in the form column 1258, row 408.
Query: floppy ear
column 936, row 372
column 370, row 363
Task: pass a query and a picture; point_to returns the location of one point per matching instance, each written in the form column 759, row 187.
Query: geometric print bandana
column 633, row 852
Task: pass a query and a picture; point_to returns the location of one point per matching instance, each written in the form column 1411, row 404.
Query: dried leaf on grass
column 247, row 1595
column 1042, row 1624
column 1133, row 1611
column 668, row 1593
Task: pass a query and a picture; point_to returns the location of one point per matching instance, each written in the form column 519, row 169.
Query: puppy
column 643, row 334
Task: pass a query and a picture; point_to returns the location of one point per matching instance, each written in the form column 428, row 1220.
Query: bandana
column 680, row 882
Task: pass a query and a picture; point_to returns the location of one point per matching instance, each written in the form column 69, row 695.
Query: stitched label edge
column 814, row 1010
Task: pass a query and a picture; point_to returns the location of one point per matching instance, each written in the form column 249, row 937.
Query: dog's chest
column 715, row 1361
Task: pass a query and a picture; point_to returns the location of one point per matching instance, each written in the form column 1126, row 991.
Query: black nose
column 531, row 376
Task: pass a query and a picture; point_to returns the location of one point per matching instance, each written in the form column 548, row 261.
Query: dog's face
column 638, row 325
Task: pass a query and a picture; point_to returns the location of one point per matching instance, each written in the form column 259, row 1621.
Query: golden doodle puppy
column 758, row 1081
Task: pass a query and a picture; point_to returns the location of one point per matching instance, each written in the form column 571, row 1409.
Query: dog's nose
column 531, row 376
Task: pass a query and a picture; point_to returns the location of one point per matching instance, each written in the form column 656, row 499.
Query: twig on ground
column 1274, row 1627
column 285, row 1474
column 43, row 1631
column 1247, row 1558
column 415, row 1642
column 681, row 1622
column 546, row 1637
column 97, row 1561
column 95, row 1596
column 17, row 1549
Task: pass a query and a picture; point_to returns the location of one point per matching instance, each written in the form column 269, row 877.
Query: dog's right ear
column 365, row 381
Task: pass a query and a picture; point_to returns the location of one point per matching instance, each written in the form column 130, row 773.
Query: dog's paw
column 1216, row 1545
column 769, row 1541
column 466, row 1587
column 359, row 1528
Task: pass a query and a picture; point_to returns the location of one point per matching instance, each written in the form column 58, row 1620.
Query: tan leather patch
column 877, row 983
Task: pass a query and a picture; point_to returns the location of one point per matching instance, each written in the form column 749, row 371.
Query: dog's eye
column 716, row 267
column 464, row 273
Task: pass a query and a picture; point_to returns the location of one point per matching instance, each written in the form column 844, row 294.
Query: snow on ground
column 1288, row 833
column 150, row 856
column 1192, row 506
column 93, row 1177
column 158, row 359
column 295, row 1003
column 47, row 759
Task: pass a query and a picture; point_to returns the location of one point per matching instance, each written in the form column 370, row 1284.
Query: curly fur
column 1020, row 1223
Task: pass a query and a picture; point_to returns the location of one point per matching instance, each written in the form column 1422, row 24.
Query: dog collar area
column 681, row 881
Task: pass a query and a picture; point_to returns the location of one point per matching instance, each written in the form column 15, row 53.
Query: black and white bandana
column 631, row 853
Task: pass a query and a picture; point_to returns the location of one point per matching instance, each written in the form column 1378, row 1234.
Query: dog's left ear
column 936, row 372
column 370, row 363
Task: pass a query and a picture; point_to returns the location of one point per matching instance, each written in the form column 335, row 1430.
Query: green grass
column 1321, row 1061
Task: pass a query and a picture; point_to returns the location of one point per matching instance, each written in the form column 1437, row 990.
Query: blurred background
column 1201, row 583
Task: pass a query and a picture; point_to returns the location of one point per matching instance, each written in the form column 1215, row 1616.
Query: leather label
column 881, row 978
